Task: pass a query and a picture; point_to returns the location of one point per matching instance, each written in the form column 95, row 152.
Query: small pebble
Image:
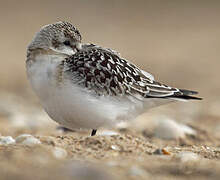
column 22, row 137
column 59, row 153
column 169, row 129
column 31, row 141
column 27, row 139
column 5, row 140
column 208, row 148
column 187, row 157
column 114, row 147
column 187, row 130
column 161, row 152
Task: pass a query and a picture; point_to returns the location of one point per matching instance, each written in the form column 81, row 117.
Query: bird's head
column 61, row 37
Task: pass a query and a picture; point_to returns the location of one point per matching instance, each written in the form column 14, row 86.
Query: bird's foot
column 93, row 132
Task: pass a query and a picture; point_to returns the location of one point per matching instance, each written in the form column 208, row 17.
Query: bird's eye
column 67, row 43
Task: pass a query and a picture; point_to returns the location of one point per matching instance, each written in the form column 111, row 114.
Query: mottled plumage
column 105, row 72
column 87, row 86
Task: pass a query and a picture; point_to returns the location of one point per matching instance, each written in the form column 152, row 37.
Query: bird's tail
column 185, row 95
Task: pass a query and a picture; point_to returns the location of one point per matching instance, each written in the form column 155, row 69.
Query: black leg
column 93, row 132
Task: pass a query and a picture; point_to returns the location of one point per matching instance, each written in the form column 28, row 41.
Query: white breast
column 74, row 107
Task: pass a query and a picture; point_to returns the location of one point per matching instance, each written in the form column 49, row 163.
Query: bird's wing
column 148, row 75
column 105, row 72
column 89, row 45
column 158, row 90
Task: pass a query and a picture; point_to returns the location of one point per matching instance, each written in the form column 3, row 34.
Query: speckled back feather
column 103, row 71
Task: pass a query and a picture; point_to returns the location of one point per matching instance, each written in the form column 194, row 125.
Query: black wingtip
column 188, row 92
column 187, row 95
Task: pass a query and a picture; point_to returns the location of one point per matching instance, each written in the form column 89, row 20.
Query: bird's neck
column 33, row 55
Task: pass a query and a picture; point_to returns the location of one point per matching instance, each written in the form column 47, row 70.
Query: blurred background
column 177, row 41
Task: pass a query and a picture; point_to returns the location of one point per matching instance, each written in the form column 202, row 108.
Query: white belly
column 74, row 107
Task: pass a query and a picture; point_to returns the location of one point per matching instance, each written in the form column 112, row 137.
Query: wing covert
column 106, row 73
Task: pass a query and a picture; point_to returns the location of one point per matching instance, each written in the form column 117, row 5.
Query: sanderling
column 87, row 86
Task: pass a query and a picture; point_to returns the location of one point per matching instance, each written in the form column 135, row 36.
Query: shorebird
column 88, row 86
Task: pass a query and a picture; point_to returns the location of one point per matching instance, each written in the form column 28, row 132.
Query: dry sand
column 133, row 153
column 177, row 41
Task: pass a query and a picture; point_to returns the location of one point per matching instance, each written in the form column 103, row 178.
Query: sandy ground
column 177, row 41
column 132, row 152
